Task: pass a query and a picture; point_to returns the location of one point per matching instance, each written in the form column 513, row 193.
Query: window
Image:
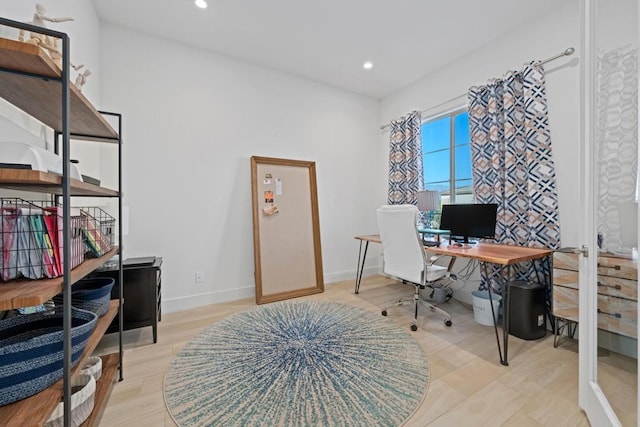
column 446, row 154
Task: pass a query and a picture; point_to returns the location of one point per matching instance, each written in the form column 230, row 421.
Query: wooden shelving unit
column 32, row 82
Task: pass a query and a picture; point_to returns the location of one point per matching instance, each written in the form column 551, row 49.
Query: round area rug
column 300, row 363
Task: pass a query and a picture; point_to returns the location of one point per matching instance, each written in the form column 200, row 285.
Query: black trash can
column 527, row 310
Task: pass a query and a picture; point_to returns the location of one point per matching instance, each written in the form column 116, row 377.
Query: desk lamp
column 428, row 202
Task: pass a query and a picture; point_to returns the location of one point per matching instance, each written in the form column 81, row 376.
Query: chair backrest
column 402, row 250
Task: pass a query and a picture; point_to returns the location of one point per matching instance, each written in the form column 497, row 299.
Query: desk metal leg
column 503, row 361
column 545, row 274
column 505, row 314
column 360, row 267
column 506, row 297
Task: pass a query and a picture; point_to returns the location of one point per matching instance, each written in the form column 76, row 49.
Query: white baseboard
column 350, row 275
column 188, row 302
column 191, row 301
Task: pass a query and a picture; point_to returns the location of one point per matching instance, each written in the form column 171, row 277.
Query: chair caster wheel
column 414, row 328
column 448, row 322
column 384, row 312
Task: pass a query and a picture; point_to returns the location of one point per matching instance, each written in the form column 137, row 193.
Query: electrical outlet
column 199, row 276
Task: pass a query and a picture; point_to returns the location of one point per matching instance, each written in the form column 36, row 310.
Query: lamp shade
column 428, row 200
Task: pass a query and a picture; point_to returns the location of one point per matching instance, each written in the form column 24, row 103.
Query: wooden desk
column 491, row 252
column 487, row 253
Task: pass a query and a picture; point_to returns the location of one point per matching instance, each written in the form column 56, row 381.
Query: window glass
column 463, row 162
column 464, row 191
column 436, row 167
column 447, row 157
column 438, row 135
column 462, row 128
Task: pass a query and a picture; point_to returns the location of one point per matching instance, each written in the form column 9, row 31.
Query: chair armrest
column 452, row 261
column 434, row 258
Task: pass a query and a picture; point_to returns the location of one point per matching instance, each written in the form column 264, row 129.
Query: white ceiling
column 329, row 40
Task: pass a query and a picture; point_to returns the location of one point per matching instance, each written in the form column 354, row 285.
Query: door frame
column 590, row 396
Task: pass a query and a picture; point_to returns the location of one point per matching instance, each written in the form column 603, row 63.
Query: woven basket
column 92, row 294
column 31, row 350
column 93, row 367
column 83, row 391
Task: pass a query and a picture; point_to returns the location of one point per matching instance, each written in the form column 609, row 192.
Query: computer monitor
column 469, row 220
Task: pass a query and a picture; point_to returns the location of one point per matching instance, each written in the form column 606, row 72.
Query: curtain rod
column 568, row 51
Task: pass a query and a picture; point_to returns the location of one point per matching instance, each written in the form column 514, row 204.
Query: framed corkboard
column 286, row 229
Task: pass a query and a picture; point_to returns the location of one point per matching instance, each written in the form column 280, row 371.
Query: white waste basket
column 482, row 309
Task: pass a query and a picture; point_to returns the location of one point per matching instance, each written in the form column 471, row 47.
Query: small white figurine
column 82, row 78
column 48, row 43
column 39, row 17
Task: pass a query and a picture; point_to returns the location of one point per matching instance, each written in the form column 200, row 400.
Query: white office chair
column 404, row 257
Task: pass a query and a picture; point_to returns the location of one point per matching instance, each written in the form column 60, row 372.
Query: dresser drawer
column 565, row 261
column 565, row 305
column 566, row 278
column 609, row 308
column 616, row 287
column 617, row 267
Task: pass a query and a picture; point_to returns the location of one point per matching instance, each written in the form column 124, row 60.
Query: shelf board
column 47, row 182
column 28, row 293
column 41, row 97
column 26, row 57
column 36, row 409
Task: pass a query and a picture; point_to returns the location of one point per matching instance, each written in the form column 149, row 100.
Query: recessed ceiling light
column 201, row 4
column 367, row 65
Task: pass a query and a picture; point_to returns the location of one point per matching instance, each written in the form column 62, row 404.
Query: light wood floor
column 468, row 384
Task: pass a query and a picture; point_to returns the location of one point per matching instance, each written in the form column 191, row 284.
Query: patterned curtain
column 405, row 159
column 512, row 161
column 617, row 145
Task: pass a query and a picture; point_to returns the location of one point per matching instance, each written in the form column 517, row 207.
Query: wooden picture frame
column 286, row 229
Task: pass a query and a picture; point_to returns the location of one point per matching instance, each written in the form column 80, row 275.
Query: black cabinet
column 142, row 290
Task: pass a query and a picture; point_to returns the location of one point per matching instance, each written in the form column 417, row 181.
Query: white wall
column 192, row 120
column 540, row 39
column 84, row 34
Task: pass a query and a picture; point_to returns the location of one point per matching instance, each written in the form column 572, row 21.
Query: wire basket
column 97, row 231
column 32, row 239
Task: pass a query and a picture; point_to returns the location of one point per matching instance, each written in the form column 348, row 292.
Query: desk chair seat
column 404, row 257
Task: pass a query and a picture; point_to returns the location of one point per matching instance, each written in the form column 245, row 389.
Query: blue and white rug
column 300, row 363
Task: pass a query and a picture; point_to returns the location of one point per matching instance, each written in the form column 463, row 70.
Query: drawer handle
column 609, row 286
column 615, row 267
column 616, row 315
